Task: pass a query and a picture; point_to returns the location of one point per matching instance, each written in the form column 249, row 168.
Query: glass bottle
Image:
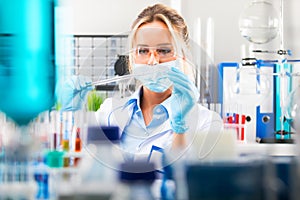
column 98, row 165
column 135, row 181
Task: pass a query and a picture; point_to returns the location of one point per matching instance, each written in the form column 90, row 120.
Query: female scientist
column 163, row 112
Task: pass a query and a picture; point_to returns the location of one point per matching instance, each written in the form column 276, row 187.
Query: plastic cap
column 103, row 133
column 55, row 159
column 137, row 171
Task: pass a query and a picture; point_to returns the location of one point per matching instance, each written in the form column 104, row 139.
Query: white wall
column 116, row 16
column 227, row 38
column 105, row 16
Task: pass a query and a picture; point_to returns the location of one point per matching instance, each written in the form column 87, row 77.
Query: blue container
column 243, row 181
column 27, row 65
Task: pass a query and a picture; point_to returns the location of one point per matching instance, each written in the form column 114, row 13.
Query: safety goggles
column 163, row 52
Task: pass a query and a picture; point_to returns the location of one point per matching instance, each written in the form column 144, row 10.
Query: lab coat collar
column 134, row 101
column 134, row 98
column 123, row 114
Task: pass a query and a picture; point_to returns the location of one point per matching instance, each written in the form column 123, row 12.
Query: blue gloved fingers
column 183, row 105
column 184, row 97
column 176, row 76
column 81, row 83
column 182, row 84
column 183, row 89
column 84, row 81
column 74, row 91
column 73, row 82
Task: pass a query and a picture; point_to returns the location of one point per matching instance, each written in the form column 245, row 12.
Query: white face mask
column 154, row 77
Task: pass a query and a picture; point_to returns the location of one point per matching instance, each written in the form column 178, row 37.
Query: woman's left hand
column 184, row 96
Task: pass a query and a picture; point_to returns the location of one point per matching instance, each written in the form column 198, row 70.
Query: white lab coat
column 116, row 112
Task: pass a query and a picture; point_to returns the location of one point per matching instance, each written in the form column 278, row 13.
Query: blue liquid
column 43, row 185
column 27, row 68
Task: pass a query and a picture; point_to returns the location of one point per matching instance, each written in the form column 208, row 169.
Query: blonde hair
column 177, row 27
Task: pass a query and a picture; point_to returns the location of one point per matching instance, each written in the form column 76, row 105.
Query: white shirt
column 137, row 139
column 136, row 133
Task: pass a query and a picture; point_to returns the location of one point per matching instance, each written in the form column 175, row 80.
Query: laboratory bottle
column 98, row 166
column 135, row 181
column 55, row 162
column 167, row 188
column 177, row 159
column 27, row 60
column 41, row 176
column 18, row 182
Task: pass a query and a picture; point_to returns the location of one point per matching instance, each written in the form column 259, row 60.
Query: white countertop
column 268, row 149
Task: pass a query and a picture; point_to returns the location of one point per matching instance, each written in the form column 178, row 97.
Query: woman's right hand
column 73, row 92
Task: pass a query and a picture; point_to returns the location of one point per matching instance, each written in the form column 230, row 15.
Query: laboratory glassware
column 293, row 109
column 27, row 61
column 135, row 181
column 259, row 22
column 125, row 77
column 98, row 166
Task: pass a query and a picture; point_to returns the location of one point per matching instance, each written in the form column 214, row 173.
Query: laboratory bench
column 275, row 149
column 261, row 171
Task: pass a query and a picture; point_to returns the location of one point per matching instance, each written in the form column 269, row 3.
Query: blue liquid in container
column 27, row 64
column 43, row 185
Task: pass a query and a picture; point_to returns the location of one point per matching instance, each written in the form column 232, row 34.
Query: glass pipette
column 113, row 79
column 124, row 77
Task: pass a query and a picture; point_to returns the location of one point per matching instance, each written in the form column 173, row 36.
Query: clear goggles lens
column 163, row 52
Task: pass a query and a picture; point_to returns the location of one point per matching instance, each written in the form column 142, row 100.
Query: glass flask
column 27, row 68
column 259, row 22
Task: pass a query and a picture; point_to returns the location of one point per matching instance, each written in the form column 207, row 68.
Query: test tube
column 78, row 146
column 78, row 143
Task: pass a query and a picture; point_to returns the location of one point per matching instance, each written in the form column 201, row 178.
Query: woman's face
column 153, row 44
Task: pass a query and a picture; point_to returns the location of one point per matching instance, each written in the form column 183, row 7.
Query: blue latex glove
column 184, row 96
column 73, row 92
